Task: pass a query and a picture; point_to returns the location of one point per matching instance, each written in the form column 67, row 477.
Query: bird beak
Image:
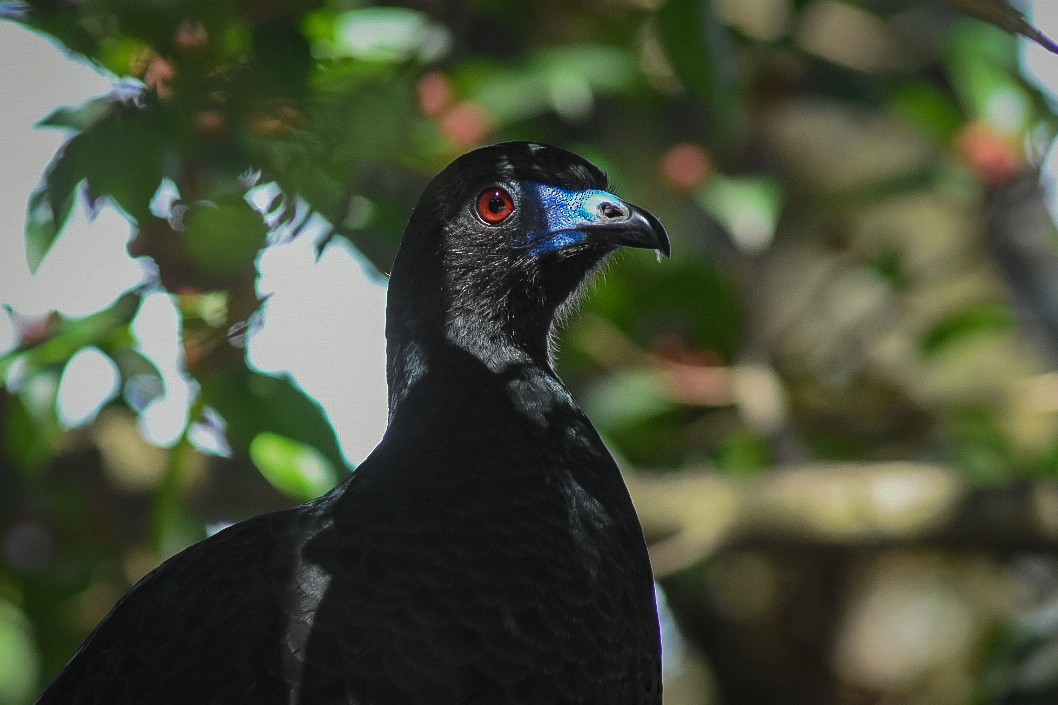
column 630, row 226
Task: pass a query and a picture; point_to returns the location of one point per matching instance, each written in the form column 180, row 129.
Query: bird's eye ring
column 495, row 205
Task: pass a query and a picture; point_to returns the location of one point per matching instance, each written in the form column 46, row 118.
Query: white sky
column 323, row 323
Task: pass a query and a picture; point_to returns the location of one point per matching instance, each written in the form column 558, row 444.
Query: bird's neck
column 489, row 339
column 486, row 409
column 500, row 336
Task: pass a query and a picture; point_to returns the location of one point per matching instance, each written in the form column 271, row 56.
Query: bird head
column 501, row 240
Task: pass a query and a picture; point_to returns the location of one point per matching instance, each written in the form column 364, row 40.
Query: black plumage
column 486, row 551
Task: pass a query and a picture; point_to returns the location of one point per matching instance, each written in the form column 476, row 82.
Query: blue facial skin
column 561, row 212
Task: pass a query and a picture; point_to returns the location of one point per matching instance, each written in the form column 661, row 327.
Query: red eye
column 495, row 205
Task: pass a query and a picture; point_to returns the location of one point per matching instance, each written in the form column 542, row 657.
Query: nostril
column 612, row 211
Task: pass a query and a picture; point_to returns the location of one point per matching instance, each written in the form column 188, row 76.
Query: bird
column 486, row 552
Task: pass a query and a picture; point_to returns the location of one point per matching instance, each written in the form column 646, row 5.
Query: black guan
column 485, row 552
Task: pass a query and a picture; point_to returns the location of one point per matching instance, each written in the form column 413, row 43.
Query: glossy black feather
column 486, row 552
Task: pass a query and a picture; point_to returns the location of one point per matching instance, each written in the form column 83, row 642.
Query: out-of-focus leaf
column 141, row 382
column 982, row 64
column 32, row 432
column 121, row 158
column 51, row 203
column 223, row 237
column 44, row 223
column 627, row 398
column 284, row 53
column 929, row 109
column 987, row 319
column 293, row 468
column 981, row 449
column 108, row 330
column 1004, row 15
column 388, row 34
column 80, row 118
column 566, row 80
column 697, row 46
column 19, row 661
column 253, row 403
column 118, row 154
column 132, row 363
column 688, row 29
column 747, row 207
column 743, row 453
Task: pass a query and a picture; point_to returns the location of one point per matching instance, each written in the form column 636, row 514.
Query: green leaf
column 118, row 153
column 743, row 454
column 748, row 207
column 80, row 118
column 42, row 227
column 979, row 446
column 697, row 46
column 284, row 55
column 19, row 660
column 628, row 398
column 253, row 403
column 50, row 204
column 646, row 302
column 141, row 382
column 565, row 80
column 986, row 319
column 295, row 469
column 120, row 157
column 124, row 162
column 929, row 109
column 31, row 432
column 224, row 237
column 387, row 34
column 108, row 330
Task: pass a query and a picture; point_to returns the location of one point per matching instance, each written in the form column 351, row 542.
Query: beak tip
column 664, row 247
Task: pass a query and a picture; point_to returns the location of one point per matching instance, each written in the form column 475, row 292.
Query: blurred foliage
column 844, row 288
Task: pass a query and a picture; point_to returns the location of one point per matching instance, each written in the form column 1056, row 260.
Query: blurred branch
column 691, row 516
